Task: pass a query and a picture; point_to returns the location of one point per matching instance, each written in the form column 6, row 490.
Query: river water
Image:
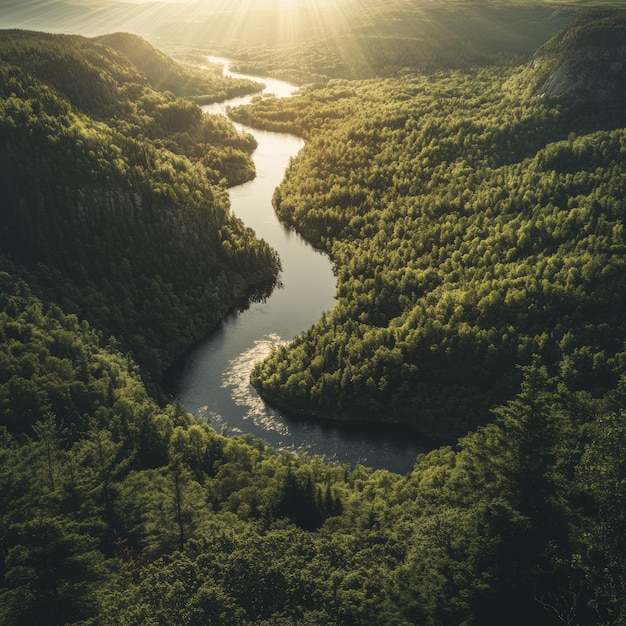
column 214, row 382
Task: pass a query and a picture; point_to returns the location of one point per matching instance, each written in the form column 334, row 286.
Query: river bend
column 213, row 383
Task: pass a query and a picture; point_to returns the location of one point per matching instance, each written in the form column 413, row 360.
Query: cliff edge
column 586, row 61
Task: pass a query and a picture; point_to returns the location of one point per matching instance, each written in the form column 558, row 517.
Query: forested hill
column 163, row 73
column 473, row 224
column 116, row 511
column 585, row 62
column 366, row 38
column 113, row 193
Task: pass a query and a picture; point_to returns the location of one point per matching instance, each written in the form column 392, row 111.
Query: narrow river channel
column 213, row 382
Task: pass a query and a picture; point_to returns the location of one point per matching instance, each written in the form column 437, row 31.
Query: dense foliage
column 163, row 73
column 478, row 237
column 472, row 226
column 112, row 196
column 116, row 511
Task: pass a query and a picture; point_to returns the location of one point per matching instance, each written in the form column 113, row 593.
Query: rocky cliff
column 585, row 61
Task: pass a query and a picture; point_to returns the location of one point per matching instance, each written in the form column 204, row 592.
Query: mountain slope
column 471, row 225
column 121, row 230
column 585, row 62
column 163, row 73
column 455, row 207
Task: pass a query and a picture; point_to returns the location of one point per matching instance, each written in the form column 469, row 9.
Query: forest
column 473, row 224
column 115, row 190
column 354, row 39
column 474, row 214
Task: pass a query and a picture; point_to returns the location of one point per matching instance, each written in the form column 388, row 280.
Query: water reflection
column 214, row 380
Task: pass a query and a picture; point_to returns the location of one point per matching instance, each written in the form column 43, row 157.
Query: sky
column 152, row 19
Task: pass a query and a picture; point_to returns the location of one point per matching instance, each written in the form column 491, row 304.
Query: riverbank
column 213, row 381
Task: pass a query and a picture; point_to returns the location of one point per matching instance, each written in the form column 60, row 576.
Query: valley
column 463, row 194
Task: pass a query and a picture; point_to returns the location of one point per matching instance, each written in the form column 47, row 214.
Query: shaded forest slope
column 116, row 511
column 472, row 225
column 114, row 194
column 165, row 74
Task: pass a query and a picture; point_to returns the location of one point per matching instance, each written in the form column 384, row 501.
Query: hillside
column 165, row 74
column 478, row 236
column 114, row 510
column 309, row 42
column 112, row 195
column 472, row 226
column 585, row 62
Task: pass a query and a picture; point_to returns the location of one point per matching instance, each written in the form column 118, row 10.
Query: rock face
column 586, row 61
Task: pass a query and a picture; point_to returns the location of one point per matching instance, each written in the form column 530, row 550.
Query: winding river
column 213, row 382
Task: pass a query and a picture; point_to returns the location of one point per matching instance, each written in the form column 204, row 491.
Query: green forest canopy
column 114, row 193
column 472, row 223
column 359, row 39
column 117, row 510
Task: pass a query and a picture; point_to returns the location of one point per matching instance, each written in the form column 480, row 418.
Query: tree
column 602, row 477
column 53, row 570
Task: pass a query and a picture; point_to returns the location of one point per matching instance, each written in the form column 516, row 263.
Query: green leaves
column 145, row 517
column 469, row 233
column 115, row 193
column 52, row 572
column 469, row 228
